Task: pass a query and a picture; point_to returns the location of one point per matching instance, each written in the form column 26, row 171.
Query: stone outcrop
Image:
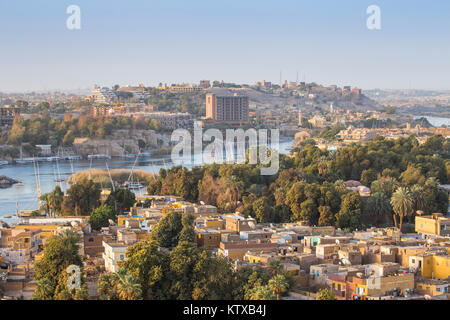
column 120, row 143
column 6, row 182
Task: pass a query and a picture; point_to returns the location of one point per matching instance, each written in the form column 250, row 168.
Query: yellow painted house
column 431, row 266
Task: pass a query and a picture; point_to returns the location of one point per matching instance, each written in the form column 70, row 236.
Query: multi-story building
column 113, row 254
column 185, row 88
column 238, row 223
column 7, row 115
column 436, row 225
column 207, row 238
column 103, row 95
column 18, row 246
column 223, row 106
column 205, row 84
column 352, row 134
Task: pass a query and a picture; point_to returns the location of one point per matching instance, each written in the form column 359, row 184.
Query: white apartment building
column 114, row 253
column 103, row 95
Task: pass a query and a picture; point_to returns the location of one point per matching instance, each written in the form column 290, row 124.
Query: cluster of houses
column 372, row 264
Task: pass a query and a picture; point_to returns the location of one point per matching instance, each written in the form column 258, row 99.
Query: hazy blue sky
column 132, row 41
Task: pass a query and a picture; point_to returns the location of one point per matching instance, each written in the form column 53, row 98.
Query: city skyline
column 243, row 42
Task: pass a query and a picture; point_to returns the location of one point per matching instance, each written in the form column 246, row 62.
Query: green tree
column 45, row 197
column 309, row 211
column 60, row 252
column 68, row 139
column 121, row 200
column 126, row 285
column 326, row 216
column 278, row 284
column 435, row 200
column 411, row 176
column 275, row 267
column 82, row 198
column 378, row 207
column 262, row 210
column 402, row 203
column 368, row 176
column 418, row 198
column 326, row 294
column 106, row 289
column 44, row 290
column 17, row 133
column 100, row 217
column 187, row 233
column 56, row 199
column 351, row 210
column 150, row 267
column 166, row 233
column 262, row 293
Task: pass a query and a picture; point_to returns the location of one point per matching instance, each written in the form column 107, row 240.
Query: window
column 122, row 257
column 413, row 260
column 91, row 240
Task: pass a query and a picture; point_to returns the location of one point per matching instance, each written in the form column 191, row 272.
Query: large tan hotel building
column 223, row 106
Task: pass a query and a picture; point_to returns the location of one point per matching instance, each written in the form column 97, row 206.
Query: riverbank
column 119, row 176
column 57, row 173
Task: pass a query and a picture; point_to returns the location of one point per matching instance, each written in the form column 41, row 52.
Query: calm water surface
column 26, row 193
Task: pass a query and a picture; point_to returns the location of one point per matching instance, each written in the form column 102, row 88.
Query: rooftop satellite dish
column 74, row 224
column 252, row 225
column 427, row 297
column 202, row 203
column 111, row 222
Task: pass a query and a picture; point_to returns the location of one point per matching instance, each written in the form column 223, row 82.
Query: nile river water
column 436, row 121
column 25, row 194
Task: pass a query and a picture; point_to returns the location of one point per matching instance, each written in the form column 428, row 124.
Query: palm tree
column 278, row 285
column 432, row 182
column 46, row 206
column 418, row 198
column 322, row 166
column 56, row 198
column 106, row 287
column 401, row 202
column 275, row 267
column 262, row 293
column 379, row 206
column 340, row 185
column 387, row 185
column 126, row 285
